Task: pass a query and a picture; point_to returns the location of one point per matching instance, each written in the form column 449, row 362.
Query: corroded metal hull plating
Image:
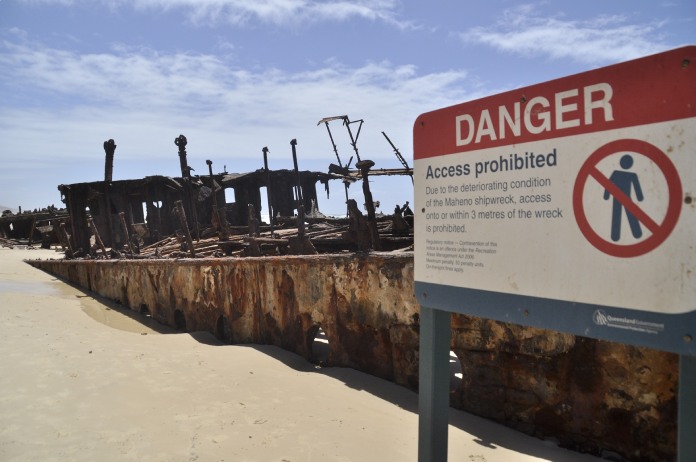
column 365, row 305
column 590, row 395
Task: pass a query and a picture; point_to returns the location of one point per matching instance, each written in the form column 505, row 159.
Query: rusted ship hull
column 590, row 395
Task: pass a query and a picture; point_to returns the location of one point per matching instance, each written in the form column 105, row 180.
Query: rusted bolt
column 523, row 99
column 688, row 338
column 526, row 312
column 425, row 295
column 686, row 62
column 688, row 200
column 423, row 210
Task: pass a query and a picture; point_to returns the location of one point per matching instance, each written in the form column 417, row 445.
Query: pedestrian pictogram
column 623, row 187
column 626, row 181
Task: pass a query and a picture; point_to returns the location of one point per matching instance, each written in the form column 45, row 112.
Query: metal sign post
column 433, row 388
column 566, row 205
column 686, row 425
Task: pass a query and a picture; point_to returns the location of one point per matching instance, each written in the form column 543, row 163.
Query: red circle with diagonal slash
column 660, row 231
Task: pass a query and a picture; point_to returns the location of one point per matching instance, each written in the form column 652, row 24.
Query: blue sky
column 237, row 75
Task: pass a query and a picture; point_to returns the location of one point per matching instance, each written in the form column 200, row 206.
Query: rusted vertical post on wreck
column 269, row 194
column 181, row 213
column 300, row 200
column 364, row 166
column 223, row 231
column 66, row 239
column 300, row 244
column 73, row 223
column 126, row 234
column 109, row 150
column 253, row 221
column 181, row 142
column 216, row 216
column 253, row 249
column 59, row 234
column 31, row 232
column 97, row 237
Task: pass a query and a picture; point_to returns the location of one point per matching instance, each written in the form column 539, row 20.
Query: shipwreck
column 32, row 226
column 180, row 251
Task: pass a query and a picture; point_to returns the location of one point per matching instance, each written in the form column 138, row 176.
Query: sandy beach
column 84, row 380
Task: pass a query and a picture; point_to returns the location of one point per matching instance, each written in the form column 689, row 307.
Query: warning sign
column 552, row 203
column 623, row 187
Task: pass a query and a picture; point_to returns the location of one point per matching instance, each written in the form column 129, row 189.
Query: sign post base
column 433, row 388
column 686, row 426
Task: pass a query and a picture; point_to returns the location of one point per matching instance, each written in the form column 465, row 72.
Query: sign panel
column 566, row 205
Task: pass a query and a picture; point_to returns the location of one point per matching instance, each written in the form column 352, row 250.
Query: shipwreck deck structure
column 130, row 218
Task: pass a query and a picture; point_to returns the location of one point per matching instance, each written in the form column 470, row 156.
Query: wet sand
column 83, row 380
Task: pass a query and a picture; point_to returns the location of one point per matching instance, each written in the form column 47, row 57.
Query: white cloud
column 58, row 106
column 601, row 40
column 144, row 99
column 280, row 12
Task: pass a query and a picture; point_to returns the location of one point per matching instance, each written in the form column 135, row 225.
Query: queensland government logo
column 601, row 318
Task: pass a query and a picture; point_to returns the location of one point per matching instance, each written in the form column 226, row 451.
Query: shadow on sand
column 485, row 432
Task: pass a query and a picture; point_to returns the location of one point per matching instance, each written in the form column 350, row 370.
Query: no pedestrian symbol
column 624, row 190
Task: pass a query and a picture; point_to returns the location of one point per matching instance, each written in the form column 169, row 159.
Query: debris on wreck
column 32, row 227
column 220, row 214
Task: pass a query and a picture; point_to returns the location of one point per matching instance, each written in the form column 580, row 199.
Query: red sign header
column 603, row 99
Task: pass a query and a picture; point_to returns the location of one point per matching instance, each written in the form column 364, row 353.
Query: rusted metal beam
column 267, row 240
column 216, row 216
column 97, row 237
column 340, row 168
column 298, row 192
column 333, row 143
column 398, row 155
column 364, row 166
column 109, row 150
column 223, row 229
column 181, row 213
column 126, row 234
column 181, row 143
column 358, row 231
column 300, row 244
column 31, row 231
column 253, row 221
column 253, row 249
column 396, row 152
column 269, row 194
column 353, row 140
column 66, row 239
